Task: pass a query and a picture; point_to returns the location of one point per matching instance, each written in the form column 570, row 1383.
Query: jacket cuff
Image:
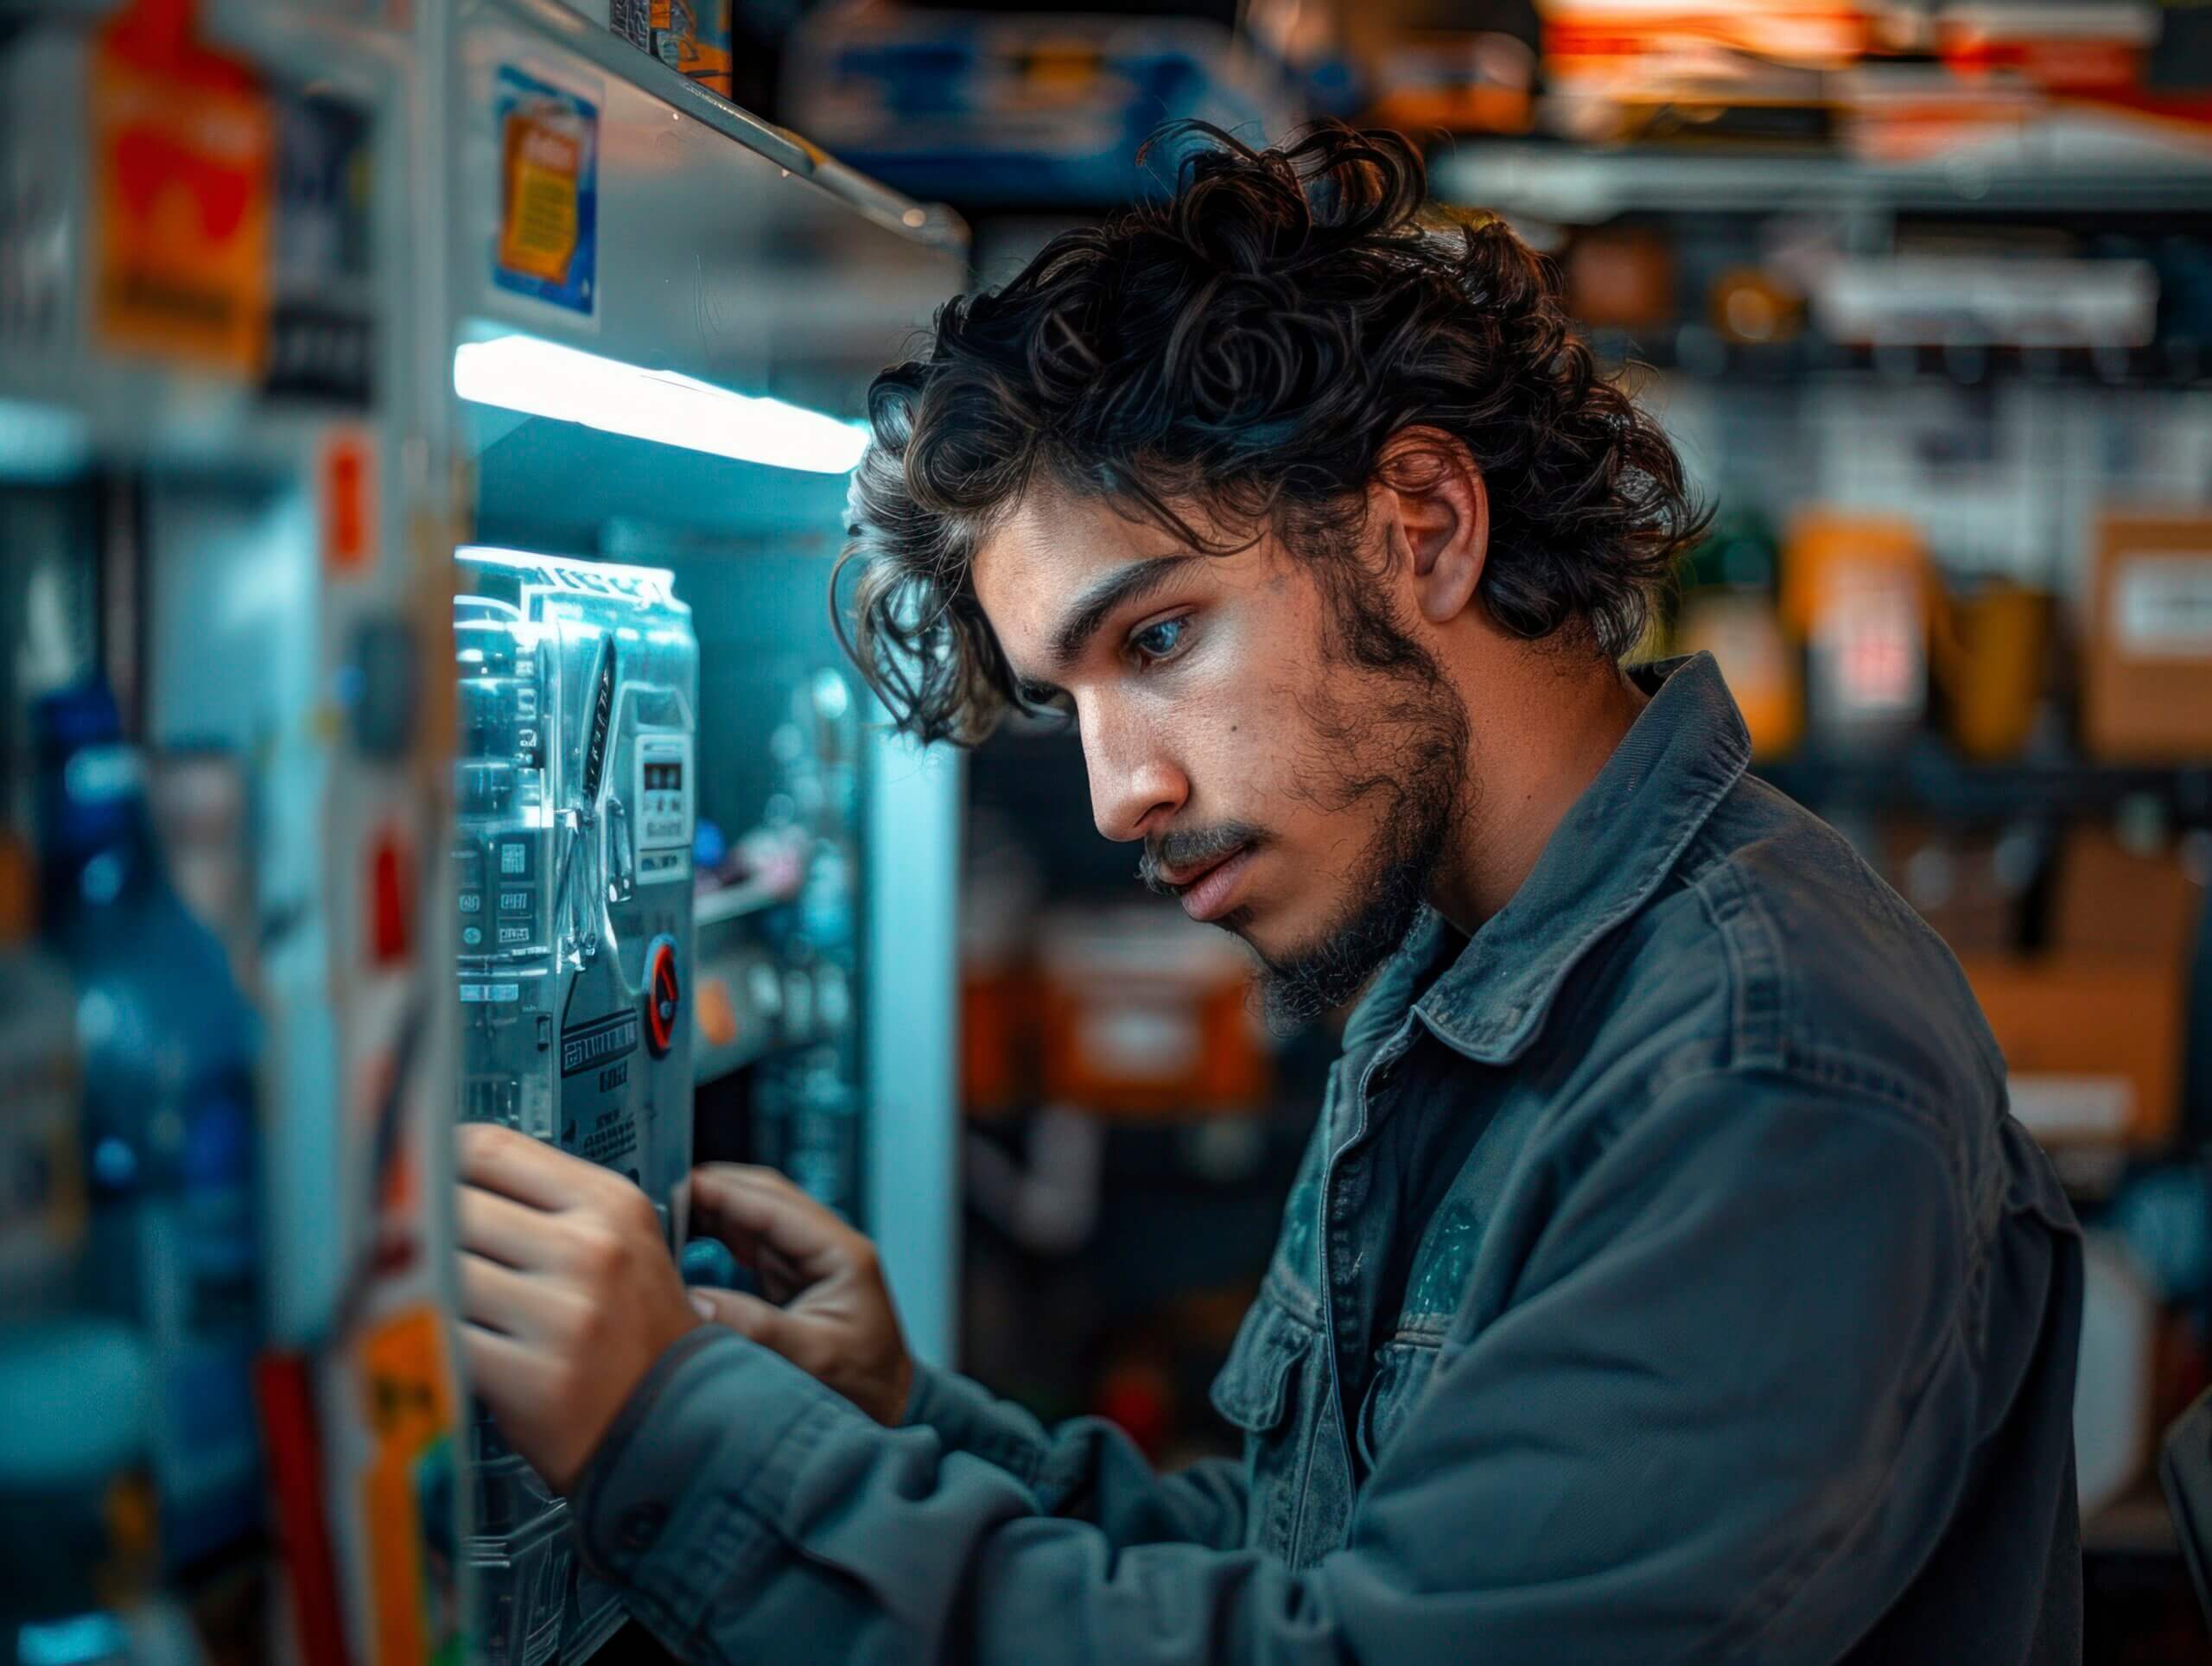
column 966, row 1417
column 679, row 1504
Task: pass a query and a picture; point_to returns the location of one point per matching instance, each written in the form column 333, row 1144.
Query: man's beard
column 1401, row 741
column 1421, row 801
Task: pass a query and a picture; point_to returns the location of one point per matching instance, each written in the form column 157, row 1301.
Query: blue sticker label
column 547, row 245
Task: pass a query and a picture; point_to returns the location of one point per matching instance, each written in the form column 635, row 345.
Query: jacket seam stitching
column 1757, row 999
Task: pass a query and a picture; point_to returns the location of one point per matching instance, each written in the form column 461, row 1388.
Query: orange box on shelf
column 1857, row 590
column 2146, row 671
column 997, row 1006
column 2092, row 1043
column 2111, row 900
column 1147, row 1015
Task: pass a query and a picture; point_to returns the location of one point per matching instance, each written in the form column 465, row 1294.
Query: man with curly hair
column 1666, row 1280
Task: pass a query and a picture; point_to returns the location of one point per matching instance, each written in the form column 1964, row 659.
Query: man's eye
column 1158, row 641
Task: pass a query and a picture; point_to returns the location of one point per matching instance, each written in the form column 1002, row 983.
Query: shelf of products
column 1929, row 779
column 1582, row 185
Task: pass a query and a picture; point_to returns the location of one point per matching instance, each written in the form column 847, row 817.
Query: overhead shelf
column 1581, row 185
column 1928, row 777
column 749, row 1004
column 1698, row 350
column 734, row 902
column 561, row 25
column 720, row 247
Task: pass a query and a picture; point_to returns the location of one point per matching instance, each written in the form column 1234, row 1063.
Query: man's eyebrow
column 1118, row 589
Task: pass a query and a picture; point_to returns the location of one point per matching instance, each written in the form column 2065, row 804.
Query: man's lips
column 1206, row 891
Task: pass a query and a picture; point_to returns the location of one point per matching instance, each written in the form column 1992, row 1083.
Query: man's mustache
column 1180, row 851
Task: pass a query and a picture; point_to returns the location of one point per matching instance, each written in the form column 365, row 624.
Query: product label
column 547, row 243
column 2162, row 605
column 693, row 36
column 587, row 1047
column 664, row 793
column 2055, row 1106
column 408, row 1405
column 348, row 482
column 664, row 866
column 184, row 173
column 1869, row 657
column 612, row 1137
column 495, row 992
column 322, row 328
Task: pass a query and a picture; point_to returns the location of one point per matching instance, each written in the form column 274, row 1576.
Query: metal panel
column 913, row 1018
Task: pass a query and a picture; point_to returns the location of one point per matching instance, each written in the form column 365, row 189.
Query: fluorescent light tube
column 544, row 379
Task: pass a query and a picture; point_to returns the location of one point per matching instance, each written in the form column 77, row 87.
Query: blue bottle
column 171, row 1140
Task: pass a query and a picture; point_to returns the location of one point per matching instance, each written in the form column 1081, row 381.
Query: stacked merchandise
column 690, row 36
column 2055, row 85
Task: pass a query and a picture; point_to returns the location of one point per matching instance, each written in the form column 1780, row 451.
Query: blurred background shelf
column 1923, row 293
column 1581, row 185
column 1931, row 779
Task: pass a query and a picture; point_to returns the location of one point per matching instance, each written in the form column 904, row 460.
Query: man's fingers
column 504, row 1301
column 750, row 1208
column 529, row 1171
column 503, row 1230
column 750, row 1317
column 500, row 1369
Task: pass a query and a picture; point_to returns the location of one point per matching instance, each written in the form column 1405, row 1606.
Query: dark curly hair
column 1250, row 345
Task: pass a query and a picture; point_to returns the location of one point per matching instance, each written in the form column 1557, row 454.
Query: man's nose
column 1135, row 788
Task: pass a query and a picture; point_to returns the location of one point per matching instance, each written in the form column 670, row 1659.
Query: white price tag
column 2162, row 606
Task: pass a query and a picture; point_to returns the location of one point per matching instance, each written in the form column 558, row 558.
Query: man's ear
column 1429, row 484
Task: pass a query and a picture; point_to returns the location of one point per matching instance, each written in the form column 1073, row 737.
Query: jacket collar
column 1621, row 839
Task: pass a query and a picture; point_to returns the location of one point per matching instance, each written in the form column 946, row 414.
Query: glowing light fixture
column 542, row 378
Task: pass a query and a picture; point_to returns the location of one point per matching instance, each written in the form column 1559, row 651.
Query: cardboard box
column 1958, row 880
column 2112, row 900
column 1147, row 1016
column 2146, row 674
column 2092, row 1043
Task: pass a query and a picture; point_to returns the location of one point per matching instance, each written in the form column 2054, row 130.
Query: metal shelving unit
column 1928, row 778
column 1581, row 185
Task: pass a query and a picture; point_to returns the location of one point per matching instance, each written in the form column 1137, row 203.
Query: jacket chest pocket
column 1263, row 1390
column 1401, row 1372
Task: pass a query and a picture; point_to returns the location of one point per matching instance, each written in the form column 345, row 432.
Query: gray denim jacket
column 1666, row 1282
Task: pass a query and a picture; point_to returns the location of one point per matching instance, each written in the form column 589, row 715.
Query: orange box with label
column 2146, row 671
column 1146, row 1015
column 2092, row 1043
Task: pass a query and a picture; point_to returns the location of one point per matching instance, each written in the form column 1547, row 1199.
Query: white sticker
column 664, row 788
column 1139, row 1041
column 2051, row 1105
column 659, row 867
column 2162, row 606
column 490, row 992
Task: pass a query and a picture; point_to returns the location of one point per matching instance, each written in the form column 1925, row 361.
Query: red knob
column 664, row 995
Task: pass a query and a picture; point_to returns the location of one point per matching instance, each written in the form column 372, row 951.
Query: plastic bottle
column 170, row 1137
column 75, row 1520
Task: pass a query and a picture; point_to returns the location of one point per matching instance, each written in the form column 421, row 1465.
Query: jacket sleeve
column 1725, row 1415
column 1086, row 1469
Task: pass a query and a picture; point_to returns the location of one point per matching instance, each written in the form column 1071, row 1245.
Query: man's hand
column 567, row 1295
column 828, row 1312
